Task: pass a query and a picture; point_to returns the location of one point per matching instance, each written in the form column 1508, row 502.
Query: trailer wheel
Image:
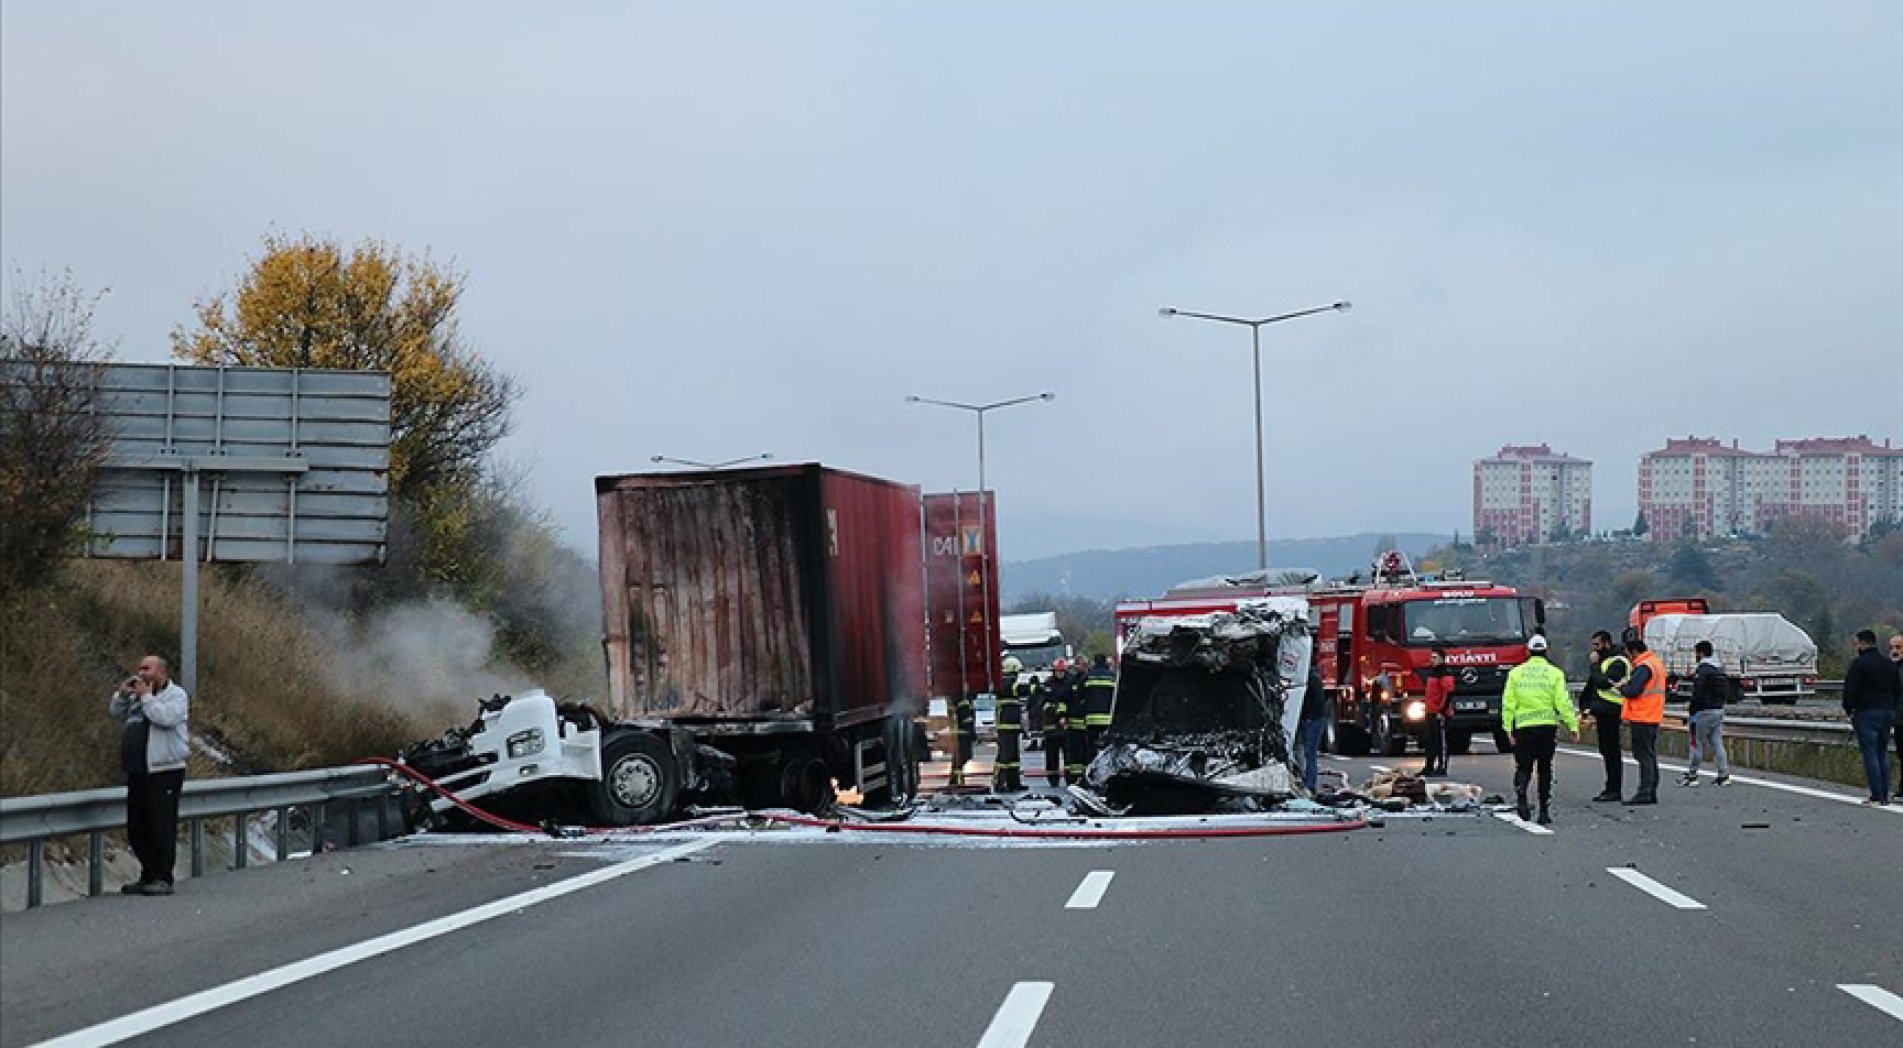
column 639, row 781
column 1502, row 742
column 1460, row 741
column 806, row 784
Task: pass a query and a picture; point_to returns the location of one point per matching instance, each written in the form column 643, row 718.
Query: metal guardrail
column 35, row 820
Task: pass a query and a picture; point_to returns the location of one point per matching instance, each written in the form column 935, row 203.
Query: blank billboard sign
column 290, row 464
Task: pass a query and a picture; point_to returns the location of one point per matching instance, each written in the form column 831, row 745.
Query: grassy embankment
column 265, row 697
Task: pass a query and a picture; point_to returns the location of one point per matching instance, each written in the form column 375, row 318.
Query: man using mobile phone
column 153, row 746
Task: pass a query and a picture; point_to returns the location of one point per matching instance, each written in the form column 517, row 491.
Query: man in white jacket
column 153, row 746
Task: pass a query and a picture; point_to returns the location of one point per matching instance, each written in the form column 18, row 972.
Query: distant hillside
column 1110, row 574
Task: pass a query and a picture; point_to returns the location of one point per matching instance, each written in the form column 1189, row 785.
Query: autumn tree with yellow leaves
column 308, row 302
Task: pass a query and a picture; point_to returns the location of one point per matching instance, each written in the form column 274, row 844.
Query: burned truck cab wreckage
column 1204, row 714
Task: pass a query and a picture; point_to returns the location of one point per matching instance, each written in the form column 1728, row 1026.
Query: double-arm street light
column 984, row 556
column 761, row 457
column 1255, row 326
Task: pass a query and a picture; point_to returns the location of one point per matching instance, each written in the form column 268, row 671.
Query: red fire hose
column 836, row 825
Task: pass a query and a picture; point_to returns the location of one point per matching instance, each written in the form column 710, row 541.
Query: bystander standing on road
column 1313, row 720
column 1896, row 659
column 1440, row 706
column 1710, row 688
column 1870, row 698
column 1644, row 693
column 1600, row 699
column 1532, row 708
column 153, row 746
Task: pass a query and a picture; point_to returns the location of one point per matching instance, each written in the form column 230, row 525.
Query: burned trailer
column 1205, row 712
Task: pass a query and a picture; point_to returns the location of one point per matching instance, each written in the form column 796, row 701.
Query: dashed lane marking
column 1017, row 1016
column 1876, row 997
column 1513, row 819
column 1805, row 791
column 1655, row 889
column 158, row 1016
column 1090, row 893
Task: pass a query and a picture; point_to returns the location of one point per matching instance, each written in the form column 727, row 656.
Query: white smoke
column 417, row 657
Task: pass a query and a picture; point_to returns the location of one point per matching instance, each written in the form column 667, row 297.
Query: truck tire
column 1352, row 740
column 1460, row 741
column 639, row 781
column 1502, row 743
column 806, row 784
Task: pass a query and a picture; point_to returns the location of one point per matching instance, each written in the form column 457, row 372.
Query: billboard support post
column 188, row 589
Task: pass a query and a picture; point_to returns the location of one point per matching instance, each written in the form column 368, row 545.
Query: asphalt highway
column 1747, row 915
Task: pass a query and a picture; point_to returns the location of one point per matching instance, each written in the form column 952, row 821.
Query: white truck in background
column 1035, row 641
column 1767, row 657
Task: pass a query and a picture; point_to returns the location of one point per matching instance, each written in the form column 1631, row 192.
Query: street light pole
column 1255, row 326
column 761, row 457
column 984, row 497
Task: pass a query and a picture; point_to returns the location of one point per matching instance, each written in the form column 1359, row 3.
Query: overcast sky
column 712, row 229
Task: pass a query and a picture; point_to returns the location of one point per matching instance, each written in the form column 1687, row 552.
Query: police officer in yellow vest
column 1535, row 704
column 1606, row 669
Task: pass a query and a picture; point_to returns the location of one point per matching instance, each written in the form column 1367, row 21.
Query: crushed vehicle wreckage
column 1204, row 713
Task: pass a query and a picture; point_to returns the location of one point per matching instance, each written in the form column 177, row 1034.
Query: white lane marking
column 1017, row 1016
column 1380, row 767
column 1876, row 997
column 1806, row 791
column 1654, row 889
column 1090, row 893
column 1513, row 819
column 143, row 1022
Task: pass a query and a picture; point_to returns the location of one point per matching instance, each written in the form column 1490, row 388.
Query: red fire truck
column 1373, row 639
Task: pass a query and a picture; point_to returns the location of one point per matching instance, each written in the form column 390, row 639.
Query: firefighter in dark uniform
column 1032, row 692
column 1005, row 776
column 1099, row 689
column 965, row 733
column 1056, row 723
column 1076, row 755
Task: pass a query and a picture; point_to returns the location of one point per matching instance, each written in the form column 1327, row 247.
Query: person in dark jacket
column 1870, row 698
column 1711, row 686
column 1896, row 659
column 1606, row 669
column 1313, row 721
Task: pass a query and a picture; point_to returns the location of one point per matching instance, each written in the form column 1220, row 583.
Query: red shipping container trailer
column 961, row 595
column 768, row 624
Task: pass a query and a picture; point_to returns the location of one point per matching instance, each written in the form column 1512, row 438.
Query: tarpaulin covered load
column 1205, row 708
column 1745, row 644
